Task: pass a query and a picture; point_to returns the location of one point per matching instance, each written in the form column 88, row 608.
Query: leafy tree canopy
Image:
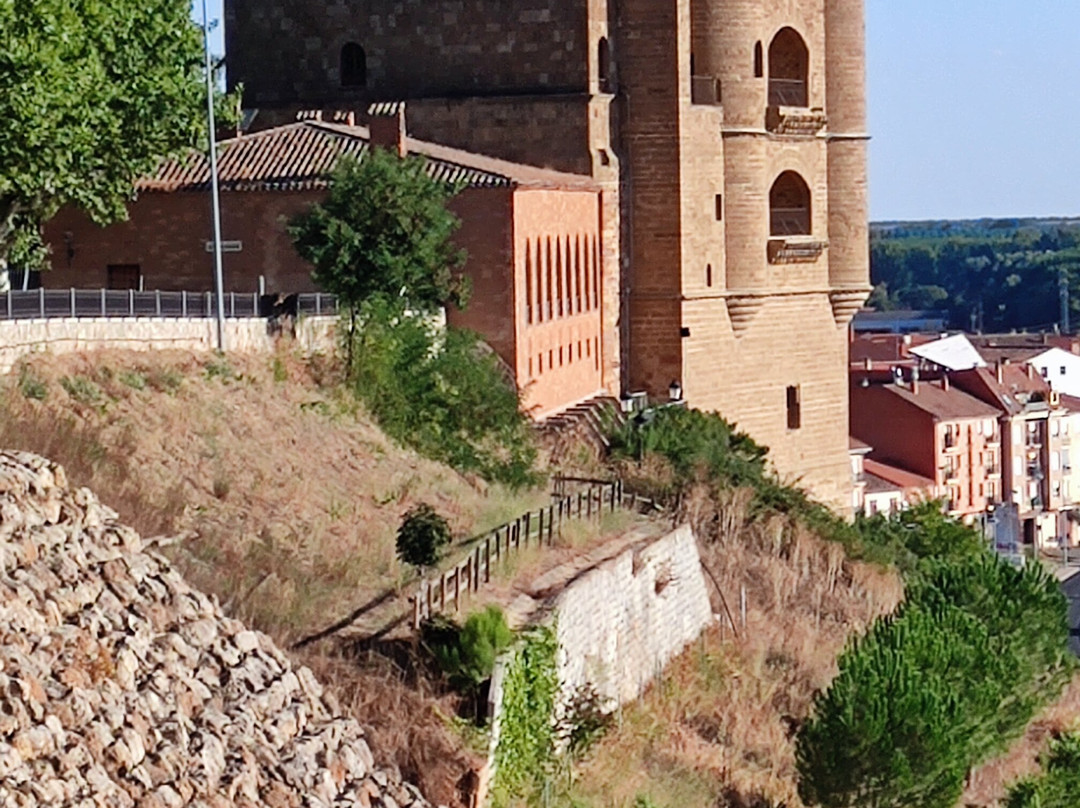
column 92, row 94
column 383, row 232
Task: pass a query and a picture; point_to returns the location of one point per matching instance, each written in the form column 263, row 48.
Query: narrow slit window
column 794, row 407
column 759, row 60
column 353, row 65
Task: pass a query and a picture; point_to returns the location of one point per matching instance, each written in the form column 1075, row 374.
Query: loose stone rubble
column 121, row 686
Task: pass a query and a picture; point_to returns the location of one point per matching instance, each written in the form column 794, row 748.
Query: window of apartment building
column 1055, row 427
column 1057, row 488
column 1066, row 465
column 789, row 66
column 1018, row 467
column 794, row 407
column 952, row 434
column 1062, row 373
column 353, row 65
column 1045, row 371
column 991, row 491
column 123, row 276
column 1055, row 461
column 789, row 206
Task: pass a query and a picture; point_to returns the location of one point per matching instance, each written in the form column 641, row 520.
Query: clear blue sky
column 974, row 107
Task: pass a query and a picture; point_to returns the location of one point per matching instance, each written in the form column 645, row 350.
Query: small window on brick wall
column 603, row 64
column 794, row 407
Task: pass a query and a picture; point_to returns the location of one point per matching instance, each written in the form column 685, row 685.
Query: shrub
column 445, row 395
column 466, row 654
column 31, row 385
column 1059, row 784
column 81, row 389
column 422, row 537
column 585, row 720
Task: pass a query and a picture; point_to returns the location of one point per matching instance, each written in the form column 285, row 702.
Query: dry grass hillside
column 273, row 492
column 718, row 728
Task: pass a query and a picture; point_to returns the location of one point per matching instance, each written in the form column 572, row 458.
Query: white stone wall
column 620, row 623
column 69, row 335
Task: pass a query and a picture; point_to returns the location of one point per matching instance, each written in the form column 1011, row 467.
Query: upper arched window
column 789, row 66
column 789, row 206
column 353, row 65
column 603, row 64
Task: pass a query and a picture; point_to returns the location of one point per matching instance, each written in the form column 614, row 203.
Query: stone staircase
column 588, row 423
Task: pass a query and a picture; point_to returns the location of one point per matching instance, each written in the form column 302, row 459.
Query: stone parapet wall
column 122, row 686
column 19, row 338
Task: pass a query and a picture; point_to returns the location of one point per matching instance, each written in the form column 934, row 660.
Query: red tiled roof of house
column 1070, row 403
column 903, row 478
column 943, row 404
column 879, row 485
column 856, row 445
column 300, row 156
column 1017, row 386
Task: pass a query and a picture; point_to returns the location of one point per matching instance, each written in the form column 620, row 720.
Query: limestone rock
column 121, row 686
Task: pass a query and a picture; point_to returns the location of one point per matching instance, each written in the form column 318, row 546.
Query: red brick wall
column 560, row 296
column 166, row 235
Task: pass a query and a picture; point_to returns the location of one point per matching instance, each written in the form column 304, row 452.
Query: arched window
column 353, row 65
column 789, row 66
column 789, row 206
column 759, row 60
column 603, row 64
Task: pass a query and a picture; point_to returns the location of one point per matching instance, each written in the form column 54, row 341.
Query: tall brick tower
column 729, row 138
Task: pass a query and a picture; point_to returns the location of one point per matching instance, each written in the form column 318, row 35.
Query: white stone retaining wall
column 19, row 338
column 621, row 622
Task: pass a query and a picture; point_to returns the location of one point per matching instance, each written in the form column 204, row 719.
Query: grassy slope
column 288, row 498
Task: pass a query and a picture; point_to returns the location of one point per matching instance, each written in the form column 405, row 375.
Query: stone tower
column 729, row 138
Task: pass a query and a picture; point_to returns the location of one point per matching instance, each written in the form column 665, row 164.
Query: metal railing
column 575, row 498
column 87, row 303
column 789, row 221
column 787, row 93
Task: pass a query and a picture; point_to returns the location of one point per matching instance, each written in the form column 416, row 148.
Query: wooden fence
column 574, row 498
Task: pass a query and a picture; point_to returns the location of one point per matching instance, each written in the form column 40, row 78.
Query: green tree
column 422, row 537
column 975, row 650
column 92, row 95
column 383, row 231
column 1059, row 784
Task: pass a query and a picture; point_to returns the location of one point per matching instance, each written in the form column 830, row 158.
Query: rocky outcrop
column 122, row 686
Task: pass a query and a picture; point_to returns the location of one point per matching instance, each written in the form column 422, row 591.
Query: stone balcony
column 795, row 121
column 795, row 249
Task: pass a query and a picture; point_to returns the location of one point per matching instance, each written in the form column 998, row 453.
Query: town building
column 935, row 431
column 729, row 140
column 872, row 494
column 1033, row 430
column 533, row 239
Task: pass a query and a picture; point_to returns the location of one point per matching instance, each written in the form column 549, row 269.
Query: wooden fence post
column 551, row 524
column 528, row 524
column 457, row 589
column 430, row 598
column 487, row 561
column 442, row 592
column 416, row 606
column 476, row 570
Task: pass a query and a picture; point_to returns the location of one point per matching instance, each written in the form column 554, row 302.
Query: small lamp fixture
column 675, row 391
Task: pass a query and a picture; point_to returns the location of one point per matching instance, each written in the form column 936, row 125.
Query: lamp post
column 214, row 191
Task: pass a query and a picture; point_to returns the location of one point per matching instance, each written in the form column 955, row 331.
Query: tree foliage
column 92, row 95
column 1058, row 785
column 975, row 650
column 972, row 271
column 422, row 536
column 383, row 232
column 444, row 394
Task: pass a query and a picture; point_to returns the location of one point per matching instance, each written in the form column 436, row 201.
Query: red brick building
column 937, row 432
column 532, row 236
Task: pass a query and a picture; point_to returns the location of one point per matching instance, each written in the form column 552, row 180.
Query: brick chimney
column 915, row 381
column 388, row 129
column 1000, row 372
column 945, row 382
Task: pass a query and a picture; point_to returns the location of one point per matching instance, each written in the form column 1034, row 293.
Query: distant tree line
column 986, row 275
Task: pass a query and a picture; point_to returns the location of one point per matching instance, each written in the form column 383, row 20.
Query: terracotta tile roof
column 943, row 405
column 879, row 485
column 299, row 157
column 903, row 478
column 1013, row 393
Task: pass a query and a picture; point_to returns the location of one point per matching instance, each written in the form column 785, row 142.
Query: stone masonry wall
column 70, row 335
column 289, row 50
column 121, row 686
